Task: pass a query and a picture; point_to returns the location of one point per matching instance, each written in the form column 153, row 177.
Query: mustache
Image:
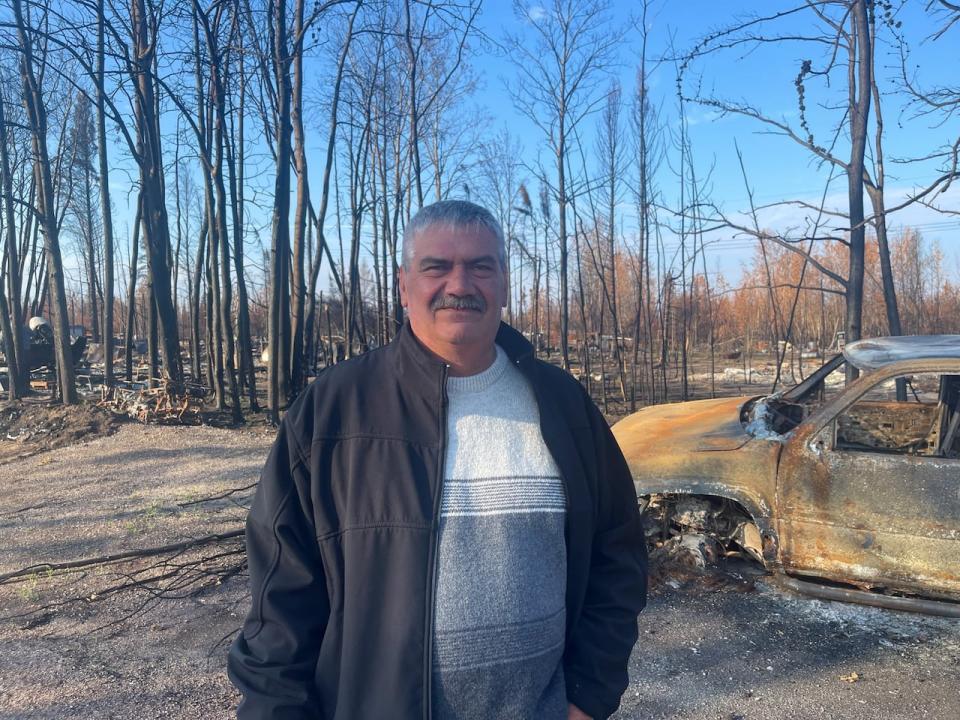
column 458, row 302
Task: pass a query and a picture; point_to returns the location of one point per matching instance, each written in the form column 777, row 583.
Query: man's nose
column 458, row 281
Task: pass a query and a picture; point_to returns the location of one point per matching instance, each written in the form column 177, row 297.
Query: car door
column 879, row 506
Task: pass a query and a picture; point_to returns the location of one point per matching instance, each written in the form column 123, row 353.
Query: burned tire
column 698, row 531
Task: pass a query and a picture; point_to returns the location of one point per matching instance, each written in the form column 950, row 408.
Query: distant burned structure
column 38, row 339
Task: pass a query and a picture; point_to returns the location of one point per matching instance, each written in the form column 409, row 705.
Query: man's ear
column 505, row 300
column 402, row 286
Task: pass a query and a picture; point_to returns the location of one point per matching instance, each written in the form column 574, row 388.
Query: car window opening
column 925, row 424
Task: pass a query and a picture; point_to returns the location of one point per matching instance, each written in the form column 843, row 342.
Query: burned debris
column 141, row 397
column 41, row 356
column 167, row 402
column 39, row 341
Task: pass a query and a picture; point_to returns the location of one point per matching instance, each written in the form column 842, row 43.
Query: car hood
column 686, row 448
column 697, row 426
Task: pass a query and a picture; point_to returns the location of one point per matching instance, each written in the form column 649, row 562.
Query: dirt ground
column 147, row 637
column 74, row 644
column 35, row 425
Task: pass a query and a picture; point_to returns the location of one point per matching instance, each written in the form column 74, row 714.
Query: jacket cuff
column 585, row 696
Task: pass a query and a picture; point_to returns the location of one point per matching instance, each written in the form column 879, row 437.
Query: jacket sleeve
column 273, row 660
column 606, row 631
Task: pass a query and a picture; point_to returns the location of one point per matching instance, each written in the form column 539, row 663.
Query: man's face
column 454, row 288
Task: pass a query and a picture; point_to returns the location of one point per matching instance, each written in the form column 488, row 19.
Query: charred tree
column 277, row 380
column 149, row 155
column 105, row 208
column 130, row 332
column 297, row 370
column 321, row 215
column 46, row 208
column 12, row 321
column 572, row 44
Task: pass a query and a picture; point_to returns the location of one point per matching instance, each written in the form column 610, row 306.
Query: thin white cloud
column 703, row 118
column 536, row 13
column 790, row 219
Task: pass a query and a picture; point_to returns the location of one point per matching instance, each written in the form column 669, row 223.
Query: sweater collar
column 483, row 380
column 415, row 362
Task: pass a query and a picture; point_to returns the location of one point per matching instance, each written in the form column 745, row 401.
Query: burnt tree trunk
column 105, row 209
column 132, row 296
column 196, row 347
column 280, row 233
column 325, row 191
column 46, row 211
column 298, row 291
column 155, row 222
column 235, row 163
column 861, row 62
column 12, row 321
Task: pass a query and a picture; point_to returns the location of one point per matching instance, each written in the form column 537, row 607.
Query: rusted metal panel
column 684, row 426
column 886, row 519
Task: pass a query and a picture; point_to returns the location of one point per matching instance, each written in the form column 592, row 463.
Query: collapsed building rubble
column 41, row 356
column 40, row 344
column 145, row 400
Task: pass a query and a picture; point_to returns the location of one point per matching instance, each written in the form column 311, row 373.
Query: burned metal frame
column 886, row 521
column 813, row 382
column 856, row 390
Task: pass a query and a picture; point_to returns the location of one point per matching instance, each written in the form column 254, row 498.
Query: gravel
column 126, row 654
column 721, row 654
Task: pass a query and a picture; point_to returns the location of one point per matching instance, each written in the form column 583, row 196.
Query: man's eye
column 483, row 268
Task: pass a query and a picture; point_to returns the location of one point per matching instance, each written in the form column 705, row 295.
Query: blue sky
column 763, row 76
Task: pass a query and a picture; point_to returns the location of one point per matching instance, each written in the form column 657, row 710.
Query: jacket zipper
column 434, row 545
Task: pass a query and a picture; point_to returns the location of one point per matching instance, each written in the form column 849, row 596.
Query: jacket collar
column 517, row 347
column 415, row 365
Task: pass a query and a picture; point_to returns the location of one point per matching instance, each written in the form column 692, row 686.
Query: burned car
column 852, row 494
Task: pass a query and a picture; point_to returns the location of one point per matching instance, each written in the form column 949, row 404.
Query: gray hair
column 452, row 213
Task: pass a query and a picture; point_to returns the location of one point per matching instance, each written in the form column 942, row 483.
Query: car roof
column 875, row 353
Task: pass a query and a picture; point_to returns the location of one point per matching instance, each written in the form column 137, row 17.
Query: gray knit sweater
column 501, row 575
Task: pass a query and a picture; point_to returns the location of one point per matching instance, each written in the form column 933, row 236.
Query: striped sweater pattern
column 501, row 573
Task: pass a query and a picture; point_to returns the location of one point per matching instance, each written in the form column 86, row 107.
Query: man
column 445, row 527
